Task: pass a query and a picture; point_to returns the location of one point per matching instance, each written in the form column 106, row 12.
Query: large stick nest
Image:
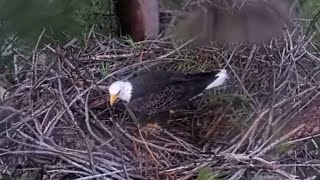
column 63, row 127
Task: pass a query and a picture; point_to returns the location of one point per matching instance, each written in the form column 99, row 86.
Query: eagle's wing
column 166, row 98
column 158, row 79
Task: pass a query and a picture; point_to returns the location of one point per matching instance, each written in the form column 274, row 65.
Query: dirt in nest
column 309, row 121
column 202, row 126
column 309, row 118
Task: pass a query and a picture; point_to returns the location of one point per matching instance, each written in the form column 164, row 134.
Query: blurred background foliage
column 62, row 19
column 311, row 10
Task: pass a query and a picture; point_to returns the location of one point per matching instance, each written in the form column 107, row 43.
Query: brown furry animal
column 235, row 20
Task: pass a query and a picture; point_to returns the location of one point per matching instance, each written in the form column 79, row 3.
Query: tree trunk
column 138, row 18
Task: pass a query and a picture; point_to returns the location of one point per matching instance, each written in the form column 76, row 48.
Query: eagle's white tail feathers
column 222, row 76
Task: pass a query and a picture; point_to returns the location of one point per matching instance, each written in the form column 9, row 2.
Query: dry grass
column 68, row 130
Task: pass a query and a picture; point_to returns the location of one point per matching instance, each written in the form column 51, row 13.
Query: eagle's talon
column 151, row 127
column 172, row 112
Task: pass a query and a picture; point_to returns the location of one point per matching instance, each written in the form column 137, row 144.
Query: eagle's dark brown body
column 155, row 92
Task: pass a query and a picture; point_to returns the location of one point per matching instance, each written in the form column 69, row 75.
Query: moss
column 206, row 174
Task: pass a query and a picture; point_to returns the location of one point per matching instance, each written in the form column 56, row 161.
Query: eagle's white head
column 121, row 90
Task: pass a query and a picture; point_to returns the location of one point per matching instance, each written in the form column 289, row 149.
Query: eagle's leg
column 150, row 126
column 156, row 121
column 171, row 111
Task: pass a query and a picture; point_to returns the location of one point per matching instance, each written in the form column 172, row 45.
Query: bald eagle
column 155, row 92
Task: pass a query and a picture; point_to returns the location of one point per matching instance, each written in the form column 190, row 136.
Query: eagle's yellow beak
column 113, row 98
